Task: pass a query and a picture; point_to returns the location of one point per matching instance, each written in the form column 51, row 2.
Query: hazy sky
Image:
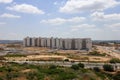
column 97, row 19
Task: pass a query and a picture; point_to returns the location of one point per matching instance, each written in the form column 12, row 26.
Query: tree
column 108, row 67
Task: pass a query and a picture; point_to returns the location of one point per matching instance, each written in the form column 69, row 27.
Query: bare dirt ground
column 109, row 51
column 38, row 53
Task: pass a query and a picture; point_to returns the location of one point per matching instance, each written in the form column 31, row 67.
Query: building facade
column 59, row 43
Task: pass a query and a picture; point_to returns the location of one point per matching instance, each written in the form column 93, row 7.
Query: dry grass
column 38, row 53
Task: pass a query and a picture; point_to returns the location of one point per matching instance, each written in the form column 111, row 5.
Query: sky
column 95, row 19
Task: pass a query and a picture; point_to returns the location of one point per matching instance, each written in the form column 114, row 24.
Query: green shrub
column 96, row 53
column 115, row 60
column 2, row 69
column 8, row 76
column 9, row 69
column 75, row 67
column 31, row 75
column 15, row 55
column 52, row 67
column 97, row 69
column 108, row 67
column 66, row 76
column 1, row 78
column 15, row 74
column 81, row 65
column 116, row 77
column 54, row 71
column 40, row 76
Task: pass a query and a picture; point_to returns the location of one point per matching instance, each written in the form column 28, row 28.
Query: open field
column 46, row 54
column 35, row 53
column 12, row 52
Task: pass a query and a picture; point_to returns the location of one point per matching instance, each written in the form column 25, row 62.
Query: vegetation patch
column 14, row 71
column 115, row 60
column 108, row 67
column 15, row 55
column 96, row 53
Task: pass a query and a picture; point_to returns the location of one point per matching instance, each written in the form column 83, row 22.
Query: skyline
column 96, row 19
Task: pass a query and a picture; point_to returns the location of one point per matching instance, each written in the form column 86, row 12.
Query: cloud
column 113, row 27
column 25, row 8
column 55, row 3
column 6, row 1
column 59, row 21
column 116, row 25
column 83, row 27
column 61, row 3
column 1, row 23
column 100, row 16
column 75, row 6
column 7, row 15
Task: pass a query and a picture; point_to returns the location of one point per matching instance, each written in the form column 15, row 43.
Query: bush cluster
column 77, row 66
column 108, row 67
column 96, row 53
column 115, row 60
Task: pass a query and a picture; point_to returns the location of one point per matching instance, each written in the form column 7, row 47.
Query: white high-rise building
column 38, row 42
column 42, row 42
column 69, row 43
column 33, row 42
column 79, row 44
column 28, row 42
column 88, row 43
column 66, row 43
column 25, row 42
column 59, row 43
column 52, row 42
column 48, row 42
column 76, row 43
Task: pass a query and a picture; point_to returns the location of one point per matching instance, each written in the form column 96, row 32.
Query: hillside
column 14, row 71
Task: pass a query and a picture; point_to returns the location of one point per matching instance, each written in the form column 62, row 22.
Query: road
column 68, row 64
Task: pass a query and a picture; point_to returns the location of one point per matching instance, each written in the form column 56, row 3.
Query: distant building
column 59, row 43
